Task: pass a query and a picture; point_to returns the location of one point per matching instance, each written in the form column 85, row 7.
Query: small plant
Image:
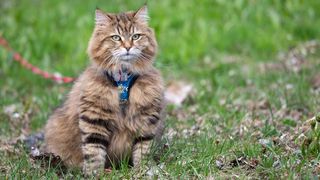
column 311, row 145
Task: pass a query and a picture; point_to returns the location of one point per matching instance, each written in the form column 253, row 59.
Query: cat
column 115, row 109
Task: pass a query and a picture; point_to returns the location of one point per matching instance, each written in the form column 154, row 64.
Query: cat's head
column 123, row 40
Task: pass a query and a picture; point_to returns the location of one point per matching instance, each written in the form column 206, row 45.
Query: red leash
column 24, row 63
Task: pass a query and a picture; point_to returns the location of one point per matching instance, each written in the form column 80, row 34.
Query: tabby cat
column 115, row 108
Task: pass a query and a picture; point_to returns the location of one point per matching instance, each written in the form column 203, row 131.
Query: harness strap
column 124, row 86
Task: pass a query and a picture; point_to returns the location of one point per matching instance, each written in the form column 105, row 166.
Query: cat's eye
column 116, row 38
column 136, row 36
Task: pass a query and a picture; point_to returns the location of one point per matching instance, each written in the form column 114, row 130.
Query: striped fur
column 92, row 130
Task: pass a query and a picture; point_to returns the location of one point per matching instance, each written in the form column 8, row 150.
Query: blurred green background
column 217, row 45
column 54, row 34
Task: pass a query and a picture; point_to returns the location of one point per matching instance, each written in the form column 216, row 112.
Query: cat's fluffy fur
column 92, row 130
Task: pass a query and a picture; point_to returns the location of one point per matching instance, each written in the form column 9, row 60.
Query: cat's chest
column 113, row 98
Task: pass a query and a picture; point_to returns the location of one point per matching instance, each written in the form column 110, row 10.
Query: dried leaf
column 317, row 168
column 315, row 81
column 239, row 161
column 47, row 160
column 177, row 92
column 265, row 142
column 108, row 171
column 219, row 164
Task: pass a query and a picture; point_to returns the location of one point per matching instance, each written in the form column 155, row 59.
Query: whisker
column 145, row 56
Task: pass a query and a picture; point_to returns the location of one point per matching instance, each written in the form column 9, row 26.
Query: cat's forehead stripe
column 118, row 29
column 124, row 23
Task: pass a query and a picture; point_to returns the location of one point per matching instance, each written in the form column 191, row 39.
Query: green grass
column 218, row 46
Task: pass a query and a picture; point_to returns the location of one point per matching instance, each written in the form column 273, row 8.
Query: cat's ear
column 102, row 18
column 142, row 14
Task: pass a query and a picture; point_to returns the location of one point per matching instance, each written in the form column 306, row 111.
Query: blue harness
column 123, row 86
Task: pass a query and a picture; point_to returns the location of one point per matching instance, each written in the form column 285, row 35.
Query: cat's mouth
column 127, row 57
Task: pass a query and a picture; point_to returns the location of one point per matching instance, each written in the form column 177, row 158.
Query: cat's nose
column 127, row 46
column 128, row 49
